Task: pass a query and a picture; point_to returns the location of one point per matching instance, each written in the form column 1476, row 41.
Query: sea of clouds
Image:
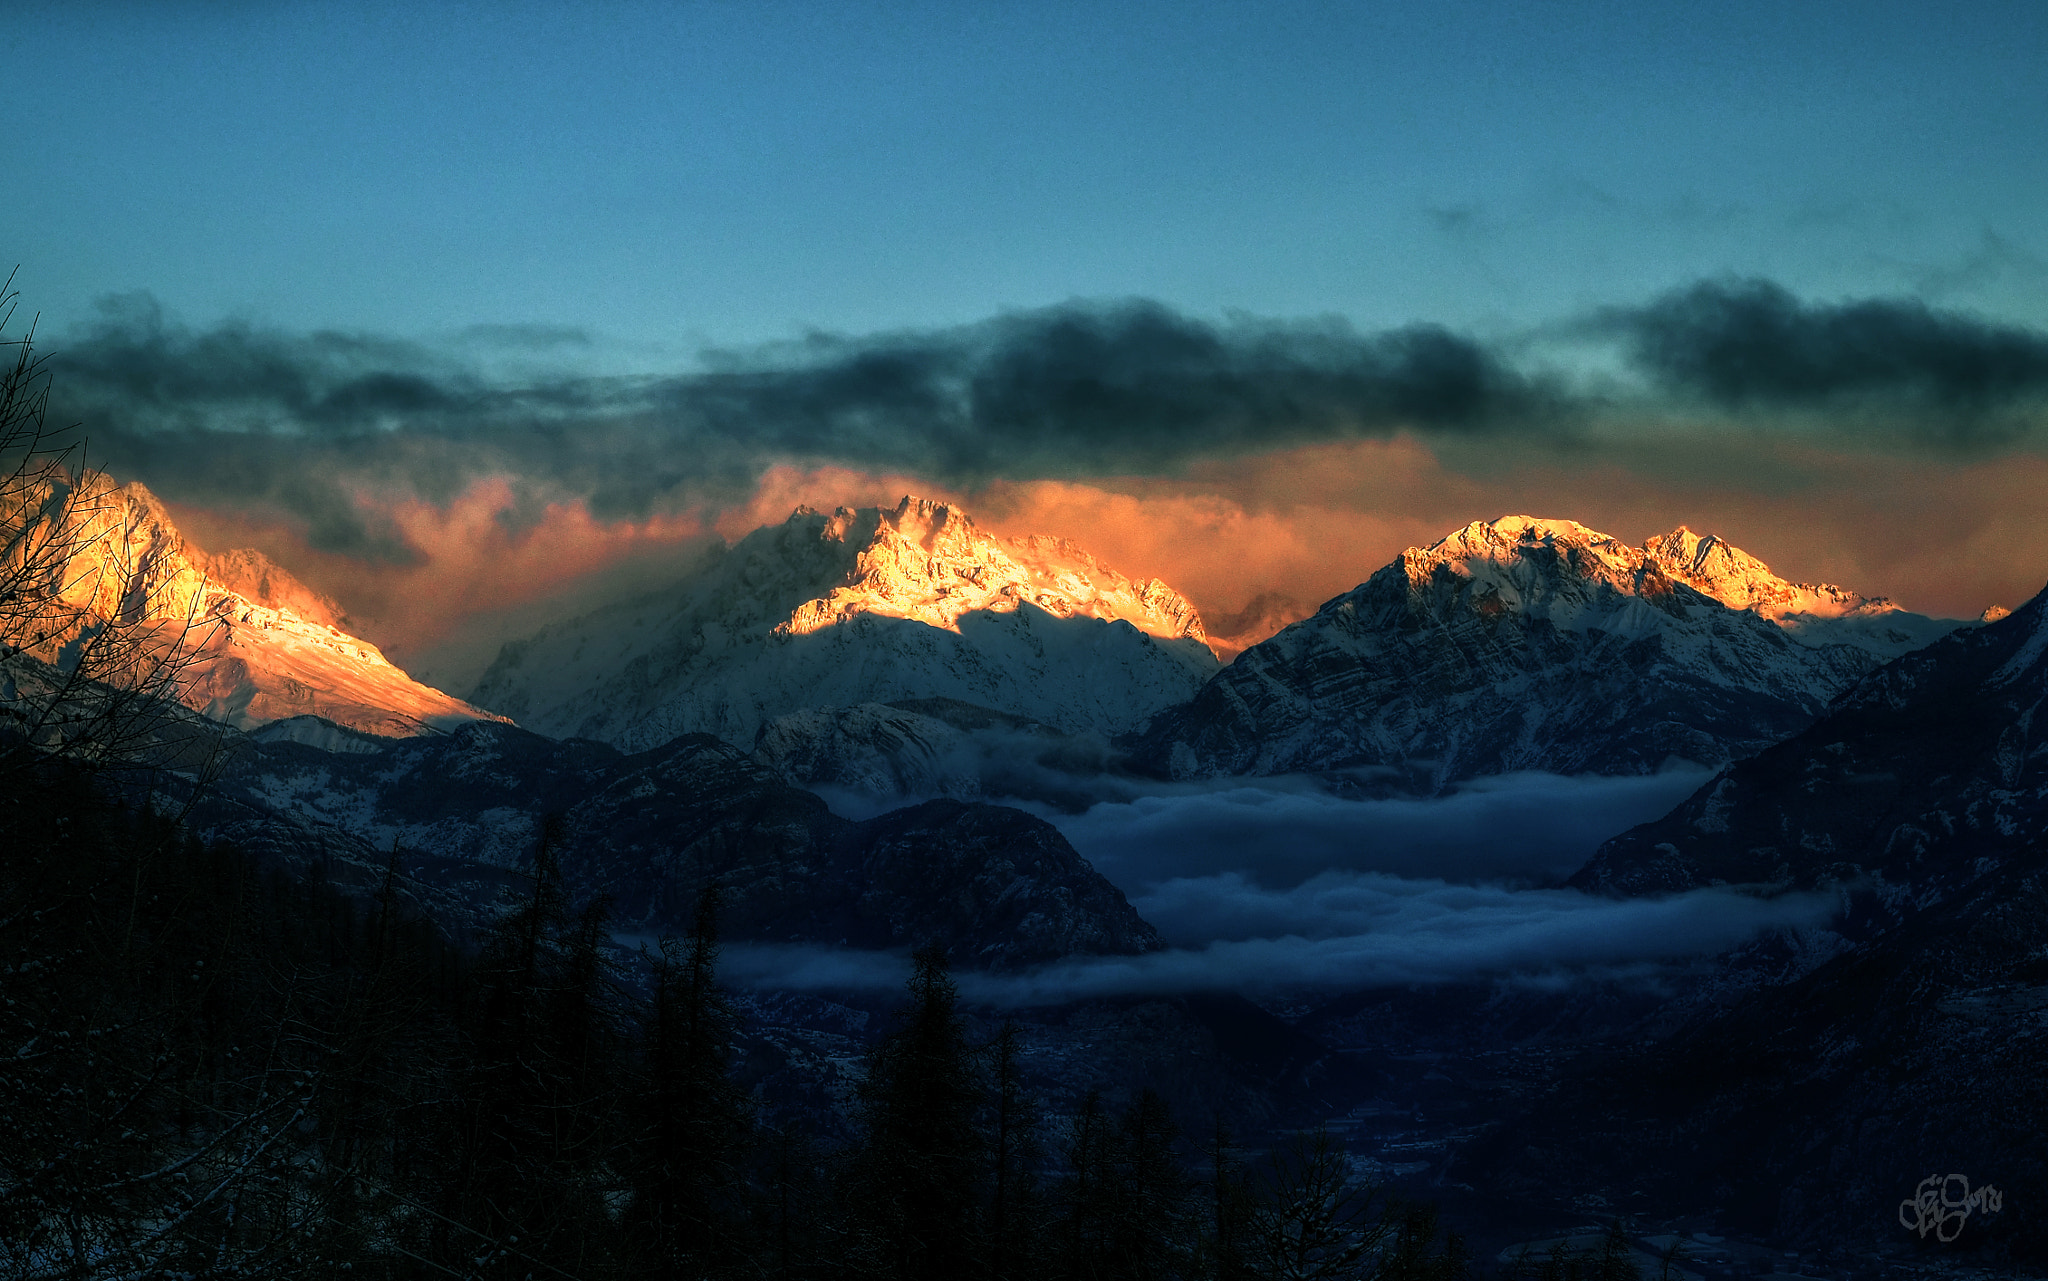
column 1262, row 885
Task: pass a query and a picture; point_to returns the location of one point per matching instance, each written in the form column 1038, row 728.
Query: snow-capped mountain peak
column 862, row 606
column 1813, row 613
column 1526, row 643
column 1741, row 581
column 1502, row 556
column 1545, row 567
column 250, row 642
column 928, row 561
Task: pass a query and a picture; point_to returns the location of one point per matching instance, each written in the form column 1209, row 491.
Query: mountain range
column 1807, row 1109
column 665, row 745
column 905, row 651
column 1521, row 644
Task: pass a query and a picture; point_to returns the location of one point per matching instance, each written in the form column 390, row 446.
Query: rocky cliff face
column 1928, row 773
column 248, row 643
column 868, row 606
column 1528, row 644
column 997, row 887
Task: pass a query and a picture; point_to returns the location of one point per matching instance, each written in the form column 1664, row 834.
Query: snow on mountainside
column 1531, row 644
column 866, row 606
column 254, row 644
column 1815, row 613
column 1927, row 774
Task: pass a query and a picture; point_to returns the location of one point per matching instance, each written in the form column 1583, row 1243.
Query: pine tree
column 1014, row 1209
column 1087, row 1192
column 794, row 1212
column 916, row 1185
column 1151, row 1230
column 1230, row 1208
column 695, row 1123
column 538, row 1125
column 1127, row 1198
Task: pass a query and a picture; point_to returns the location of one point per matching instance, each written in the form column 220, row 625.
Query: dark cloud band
column 243, row 416
column 1751, row 344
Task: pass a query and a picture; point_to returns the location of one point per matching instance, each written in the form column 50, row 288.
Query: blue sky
column 671, row 176
column 1246, row 296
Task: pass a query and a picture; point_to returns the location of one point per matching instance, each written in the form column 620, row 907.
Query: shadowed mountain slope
column 996, row 886
column 1926, row 774
column 1532, row 644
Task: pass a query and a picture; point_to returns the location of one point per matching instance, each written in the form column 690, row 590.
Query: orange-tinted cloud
column 1277, row 534
column 1942, row 538
column 476, row 567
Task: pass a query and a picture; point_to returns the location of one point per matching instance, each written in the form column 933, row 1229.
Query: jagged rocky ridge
column 997, row 887
column 1524, row 644
column 868, row 606
column 248, row 643
column 1816, row 613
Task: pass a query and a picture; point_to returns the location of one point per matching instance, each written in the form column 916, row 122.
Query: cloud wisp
column 1359, row 931
column 1076, row 390
column 241, row 413
column 1279, row 832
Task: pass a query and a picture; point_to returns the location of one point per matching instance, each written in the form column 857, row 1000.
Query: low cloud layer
column 1276, row 886
column 1415, row 931
column 1376, row 931
column 1280, row 832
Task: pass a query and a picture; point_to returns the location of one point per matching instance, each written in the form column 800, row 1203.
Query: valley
column 959, row 702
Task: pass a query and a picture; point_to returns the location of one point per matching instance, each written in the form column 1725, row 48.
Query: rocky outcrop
column 933, row 747
column 869, row 606
column 873, row 749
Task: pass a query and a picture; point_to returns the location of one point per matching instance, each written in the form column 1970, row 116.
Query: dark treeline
column 210, row 1070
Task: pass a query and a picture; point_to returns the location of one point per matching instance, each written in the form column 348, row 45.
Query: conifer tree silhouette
column 916, row 1185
